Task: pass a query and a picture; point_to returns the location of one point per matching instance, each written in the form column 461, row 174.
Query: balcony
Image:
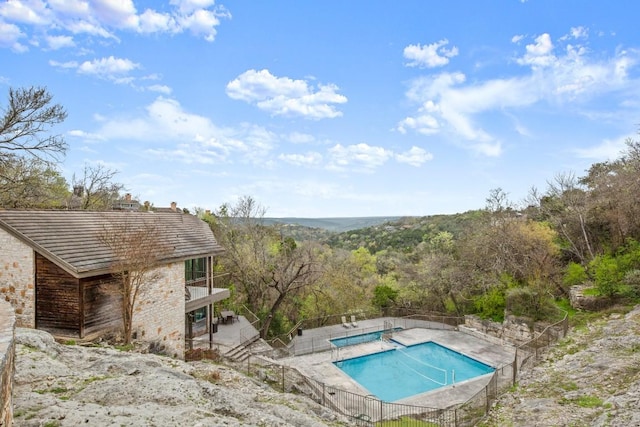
column 198, row 295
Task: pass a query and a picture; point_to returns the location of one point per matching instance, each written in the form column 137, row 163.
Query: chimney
column 174, row 206
column 127, row 197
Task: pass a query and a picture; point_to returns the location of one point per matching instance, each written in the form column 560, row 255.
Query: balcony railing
column 198, row 295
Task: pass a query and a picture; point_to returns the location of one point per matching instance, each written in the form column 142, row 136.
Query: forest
column 504, row 258
column 498, row 260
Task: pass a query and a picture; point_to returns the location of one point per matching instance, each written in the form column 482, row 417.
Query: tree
column 95, row 190
column 25, row 123
column 31, row 183
column 136, row 249
column 566, row 206
column 267, row 268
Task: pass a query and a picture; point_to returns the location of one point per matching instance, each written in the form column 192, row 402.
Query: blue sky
column 332, row 108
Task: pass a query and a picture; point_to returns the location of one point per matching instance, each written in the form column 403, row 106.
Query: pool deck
column 320, row 367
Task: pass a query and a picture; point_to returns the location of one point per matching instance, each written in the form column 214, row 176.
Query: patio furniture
column 227, row 316
column 344, row 322
column 353, row 321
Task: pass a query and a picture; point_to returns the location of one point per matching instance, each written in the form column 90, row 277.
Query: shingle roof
column 71, row 239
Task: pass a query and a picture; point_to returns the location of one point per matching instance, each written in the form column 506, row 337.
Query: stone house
column 58, row 275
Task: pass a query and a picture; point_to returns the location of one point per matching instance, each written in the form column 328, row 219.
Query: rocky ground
column 71, row 385
column 591, row 378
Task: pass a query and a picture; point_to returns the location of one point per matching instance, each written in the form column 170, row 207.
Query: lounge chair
column 344, row 322
column 353, row 321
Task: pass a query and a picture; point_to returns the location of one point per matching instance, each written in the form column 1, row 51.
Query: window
column 195, row 269
column 200, row 314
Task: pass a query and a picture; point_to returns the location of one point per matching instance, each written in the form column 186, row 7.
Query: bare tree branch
column 25, row 124
column 137, row 248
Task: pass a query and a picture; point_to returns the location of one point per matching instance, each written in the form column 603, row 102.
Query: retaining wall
column 7, row 360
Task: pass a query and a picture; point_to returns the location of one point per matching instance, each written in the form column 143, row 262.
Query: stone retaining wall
column 512, row 330
column 7, row 360
column 581, row 301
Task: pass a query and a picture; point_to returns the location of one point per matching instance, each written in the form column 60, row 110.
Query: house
column 128, row 203
column 58, row 274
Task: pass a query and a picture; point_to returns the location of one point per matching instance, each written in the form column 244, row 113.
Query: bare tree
column 566, row 205
column 267, row 268
column 137, row 249
column 25, row 123
column 95, row 190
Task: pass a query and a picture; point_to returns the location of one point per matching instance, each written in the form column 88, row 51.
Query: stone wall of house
column 7, row 362
column 159, row 314
column 16, row 278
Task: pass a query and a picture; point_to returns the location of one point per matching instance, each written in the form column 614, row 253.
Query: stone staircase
column 241, row 352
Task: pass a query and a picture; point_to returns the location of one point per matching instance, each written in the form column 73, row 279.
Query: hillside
column 591, row 378
column 332, row 224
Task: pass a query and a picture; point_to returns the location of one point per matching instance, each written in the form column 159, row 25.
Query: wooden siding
column 101, row 304
column 57, row 298
column 78, row 307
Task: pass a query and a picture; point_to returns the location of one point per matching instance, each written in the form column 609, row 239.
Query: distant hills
column 336, row 225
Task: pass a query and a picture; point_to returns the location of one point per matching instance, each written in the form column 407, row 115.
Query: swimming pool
column 362, row 338
column 406, row 371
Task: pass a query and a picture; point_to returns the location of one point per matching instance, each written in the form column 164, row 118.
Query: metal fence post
column 283, row 389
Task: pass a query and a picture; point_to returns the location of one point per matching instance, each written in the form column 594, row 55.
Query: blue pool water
column 406, row 371
column 359, row 339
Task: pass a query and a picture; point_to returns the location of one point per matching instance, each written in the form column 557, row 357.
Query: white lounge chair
column 344, row 322
column 353, row 321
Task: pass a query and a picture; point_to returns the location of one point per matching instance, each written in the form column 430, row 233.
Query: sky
column 331, row 108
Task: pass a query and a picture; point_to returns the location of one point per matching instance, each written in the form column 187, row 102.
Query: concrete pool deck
column 320, row 367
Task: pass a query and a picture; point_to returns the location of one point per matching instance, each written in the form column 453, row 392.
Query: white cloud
column 539, row 53
column 59, row 42
column 300, row 138
column 576, row 33
column 282, row 96
column 9, row 36
column 25, row 12
column 166, row 90
column 118, row 14
column 308, row 159
column 362, row 157
column 151, row 21
column 186, row 137
column 69, row 64
column 416, row 156
column 102, row 18
column 107, row 66
column 517, row 38
column 429, row 56
column 85, row 136
column 447, row 103
column 608, row 149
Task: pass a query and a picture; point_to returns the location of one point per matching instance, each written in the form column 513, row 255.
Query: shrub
column 606, row 274
column 575, row 274
column 491, row 305
column 530, row 302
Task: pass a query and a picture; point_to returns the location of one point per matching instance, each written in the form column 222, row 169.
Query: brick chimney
column 127, row 197
column 174, row 206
